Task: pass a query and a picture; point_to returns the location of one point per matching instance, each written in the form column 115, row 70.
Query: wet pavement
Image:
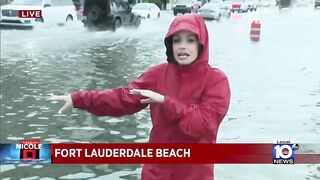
column 275, row 87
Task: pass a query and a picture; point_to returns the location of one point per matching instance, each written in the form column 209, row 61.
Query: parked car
column 109, row 15
column 316, row 3
column 214, row 11
column 284, row 4
column 185, row 6
column 146, row 10
column 252, row 5
column 266, row 3
column 53, row 11
column 301, row 3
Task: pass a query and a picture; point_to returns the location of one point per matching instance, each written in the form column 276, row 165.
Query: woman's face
column 185, row 47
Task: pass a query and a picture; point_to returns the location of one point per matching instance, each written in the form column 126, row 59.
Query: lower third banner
column 178, row 153
column 281, row 152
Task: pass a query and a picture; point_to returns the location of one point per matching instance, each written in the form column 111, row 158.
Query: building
column 3, row 2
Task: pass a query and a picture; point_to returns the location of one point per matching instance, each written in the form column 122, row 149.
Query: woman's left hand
column 152, row 97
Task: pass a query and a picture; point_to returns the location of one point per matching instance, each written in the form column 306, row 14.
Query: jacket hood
column 195, row 24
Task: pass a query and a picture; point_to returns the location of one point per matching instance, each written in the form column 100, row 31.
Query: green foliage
column 2, row 2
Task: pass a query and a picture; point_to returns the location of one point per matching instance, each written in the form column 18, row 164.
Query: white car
column 53, row 11
column 266, row 3
column 214, row 11
column 302, row 3
column 146, row 10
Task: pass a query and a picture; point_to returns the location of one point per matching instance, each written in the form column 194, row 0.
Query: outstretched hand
column 66, row 98
column 151, row 96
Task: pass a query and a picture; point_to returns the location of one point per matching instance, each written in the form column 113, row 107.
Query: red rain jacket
column 197, row 98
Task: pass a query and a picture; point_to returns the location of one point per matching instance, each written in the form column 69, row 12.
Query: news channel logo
column 25, row 152
column 284, row 151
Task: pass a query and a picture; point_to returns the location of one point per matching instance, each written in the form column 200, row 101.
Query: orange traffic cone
column 255, row 31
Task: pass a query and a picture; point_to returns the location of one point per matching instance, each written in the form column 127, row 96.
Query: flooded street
column 275, row 85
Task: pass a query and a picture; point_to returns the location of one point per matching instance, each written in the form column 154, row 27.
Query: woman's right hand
column 66, row 98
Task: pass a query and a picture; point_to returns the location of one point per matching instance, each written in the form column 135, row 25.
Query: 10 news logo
column 284, row 151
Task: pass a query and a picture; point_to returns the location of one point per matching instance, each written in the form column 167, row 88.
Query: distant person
column 188, row 98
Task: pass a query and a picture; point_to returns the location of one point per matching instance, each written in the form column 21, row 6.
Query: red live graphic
column 30, row 14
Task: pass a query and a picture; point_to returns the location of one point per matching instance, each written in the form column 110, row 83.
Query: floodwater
column 275, row 87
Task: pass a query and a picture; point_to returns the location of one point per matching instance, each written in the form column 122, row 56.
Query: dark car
column 284, row 3
column 108, row 15
column 185, row 6
column 316, row 3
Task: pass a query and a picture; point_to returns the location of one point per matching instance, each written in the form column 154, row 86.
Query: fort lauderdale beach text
column 122, row 152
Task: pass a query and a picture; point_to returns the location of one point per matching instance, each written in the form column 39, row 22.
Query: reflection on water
column 45, row 61
column 275, row 90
